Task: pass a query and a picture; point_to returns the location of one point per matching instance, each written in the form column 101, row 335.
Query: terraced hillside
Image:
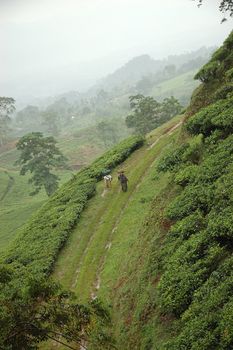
column 90, row 262
column 161, row 254
column 82, row 260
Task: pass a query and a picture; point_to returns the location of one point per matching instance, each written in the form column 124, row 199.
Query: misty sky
column 53, row 46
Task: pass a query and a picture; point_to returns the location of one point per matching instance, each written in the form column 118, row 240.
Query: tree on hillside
column 225, row 6
column 39, row 155
column 42, row 310
column 171, row 107
column 147, row 113
column 7, row 107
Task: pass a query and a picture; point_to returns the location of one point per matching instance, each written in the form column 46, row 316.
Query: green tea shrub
column 223, row 92
column 39, row 241
column 201, row 122
column 172, row 159
column 207, row 323
column 186, row 270
column 221, row 223
column 193, row 197
column 186, row 153
column 186, row 175
column 188, row 226
column 208, row 72
column 229, row 75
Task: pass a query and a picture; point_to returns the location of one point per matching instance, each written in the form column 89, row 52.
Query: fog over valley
column 54, row 46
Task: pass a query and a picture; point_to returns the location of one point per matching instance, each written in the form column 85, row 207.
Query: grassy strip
column 79, row 261
column 39, row 241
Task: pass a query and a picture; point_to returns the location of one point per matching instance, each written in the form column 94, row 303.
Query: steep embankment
column 17, row 206
column 161, row 255
column 175, row 289
column 38, row 242
column 82, row 260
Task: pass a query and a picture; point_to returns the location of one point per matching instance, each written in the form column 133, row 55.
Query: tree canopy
column 39, row 155
column 147, row 113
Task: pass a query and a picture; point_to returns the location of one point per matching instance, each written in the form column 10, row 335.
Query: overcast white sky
column 52, row 46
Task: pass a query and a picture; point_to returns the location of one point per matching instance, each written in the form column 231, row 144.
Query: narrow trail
column 80, row 265
column 97, row 282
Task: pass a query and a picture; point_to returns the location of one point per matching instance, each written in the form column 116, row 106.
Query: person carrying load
column 108, row 181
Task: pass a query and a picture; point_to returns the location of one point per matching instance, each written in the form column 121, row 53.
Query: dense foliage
column 39, row 241
column 216, row 77
column 196, row 257
column 39, row 155
column 42, row 310
column 147, row 113
column 178, row 292
column 34, row 310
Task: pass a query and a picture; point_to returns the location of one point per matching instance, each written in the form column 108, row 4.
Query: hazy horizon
column 54, row 46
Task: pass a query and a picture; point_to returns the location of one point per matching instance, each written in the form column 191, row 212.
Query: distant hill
column 127, row 76
column 144, row 65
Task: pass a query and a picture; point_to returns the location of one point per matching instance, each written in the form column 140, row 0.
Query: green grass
column 17, row 206
column 97, row 250
column 98, row 247
column 180, row 87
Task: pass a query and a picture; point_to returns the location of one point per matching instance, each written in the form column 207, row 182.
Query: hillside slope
column 174, row 288
column 87, row 244
column 162, row 255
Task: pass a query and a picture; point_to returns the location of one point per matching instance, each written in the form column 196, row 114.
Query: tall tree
column 147, row 113
column 39, row 155
column 7, row 107
column 171, row 107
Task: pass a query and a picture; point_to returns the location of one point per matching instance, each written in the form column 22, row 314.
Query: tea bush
column 37, row 244
column 195, row 260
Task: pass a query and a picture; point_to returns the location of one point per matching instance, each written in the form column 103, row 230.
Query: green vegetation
column 180, row 86
column 48, row 229
column 147, row 114
column 81, row 147
column 160, row 254
column 216, row 78
column 200, row 253
column 39, row 155
column 42, row 310
column 179, row 294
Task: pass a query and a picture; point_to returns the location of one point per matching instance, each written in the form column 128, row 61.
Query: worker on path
column 123, row 180
column 108, row 181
